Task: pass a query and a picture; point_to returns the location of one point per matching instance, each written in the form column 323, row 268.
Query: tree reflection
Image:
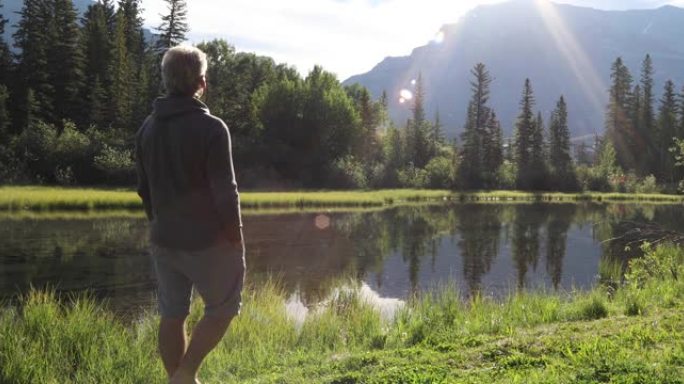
column 561, row 217
column 479, row 232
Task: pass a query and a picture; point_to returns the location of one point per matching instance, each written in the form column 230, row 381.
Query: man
column 187, row 185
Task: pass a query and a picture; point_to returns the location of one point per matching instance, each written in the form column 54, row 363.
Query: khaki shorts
column 217, row 273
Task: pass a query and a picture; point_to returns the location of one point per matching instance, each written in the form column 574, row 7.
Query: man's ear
column 202, row 87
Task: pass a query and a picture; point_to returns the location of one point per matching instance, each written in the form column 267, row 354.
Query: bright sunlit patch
column 439, row 38
column 406, row 94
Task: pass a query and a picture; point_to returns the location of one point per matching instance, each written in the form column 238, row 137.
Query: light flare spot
column 439, row 38
column 322, row 222
column 406, row 94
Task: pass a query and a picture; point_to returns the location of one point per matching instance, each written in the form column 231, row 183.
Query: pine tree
column 680, row 129
column 99, row 102
column 98, row 44
column 437, row 135
column 667, row 131
column 4, row 115
column 619, row 127
column 121, row 77
column 560, row 162
column 538, row 155
column 66, row 63
column 492, row 151
column 418, row 129
column 32, row 40
column 645, row 122
column 174, row 26
column 524, row 133
column 136, row 47
column 478, row 114
column 5, row 55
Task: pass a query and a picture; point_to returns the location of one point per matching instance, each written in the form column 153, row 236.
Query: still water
column 492, row 249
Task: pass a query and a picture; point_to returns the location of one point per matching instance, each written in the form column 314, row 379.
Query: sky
column 346, row 37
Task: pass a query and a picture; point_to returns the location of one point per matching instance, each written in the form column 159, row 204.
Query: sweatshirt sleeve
column 143, row 184
column 221, row 175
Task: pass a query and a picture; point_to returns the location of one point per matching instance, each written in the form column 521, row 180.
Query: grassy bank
column 632, row 335
column 54, row 199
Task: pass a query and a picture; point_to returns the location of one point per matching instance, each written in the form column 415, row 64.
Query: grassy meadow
column 625, row 331
column 65, row 199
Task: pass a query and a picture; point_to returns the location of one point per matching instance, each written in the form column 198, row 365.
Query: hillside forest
column 74, row 89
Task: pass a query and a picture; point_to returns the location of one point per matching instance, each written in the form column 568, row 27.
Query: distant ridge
column 563, row 49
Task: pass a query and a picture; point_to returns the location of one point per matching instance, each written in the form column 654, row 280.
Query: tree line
column 73, row 91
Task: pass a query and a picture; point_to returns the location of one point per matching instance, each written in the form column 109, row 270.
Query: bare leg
column 206, row 335
column 172, row 343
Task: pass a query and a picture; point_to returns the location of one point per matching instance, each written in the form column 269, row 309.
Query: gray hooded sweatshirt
column 185, row 176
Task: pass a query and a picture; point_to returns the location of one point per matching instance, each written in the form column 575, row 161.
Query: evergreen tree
column 4, row 115
column 538, row 155
column 32, row 40
column 121, row 77
column 98, row 48
column 492, row 151
column 66, row 63
column 524, row 139
column 418, row 131
column 5, row 55
column 645, row 121
column 174, row 26
column 667, row 131
column 680, row 129
column 478, row 115
column 437, row 135
column 560, row 162
column 619, row 127
column 136, row 47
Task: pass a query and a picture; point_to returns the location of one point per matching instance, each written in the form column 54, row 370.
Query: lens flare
column 413, row 82
column 439, row 38
column 406, row 94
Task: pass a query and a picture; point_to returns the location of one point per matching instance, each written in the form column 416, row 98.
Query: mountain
column 563, row 49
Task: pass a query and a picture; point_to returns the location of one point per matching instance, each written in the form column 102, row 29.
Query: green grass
column 634, row 335
column 64, row 199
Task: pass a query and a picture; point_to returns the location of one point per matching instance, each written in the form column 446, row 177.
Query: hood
column 166, row 107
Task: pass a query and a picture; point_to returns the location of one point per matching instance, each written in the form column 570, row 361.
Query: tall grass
column 47, row 339
column 55, row 199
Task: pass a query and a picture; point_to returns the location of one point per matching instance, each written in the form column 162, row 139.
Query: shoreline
column 46, row 199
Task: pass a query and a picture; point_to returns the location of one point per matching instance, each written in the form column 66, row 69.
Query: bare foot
column 181, row 377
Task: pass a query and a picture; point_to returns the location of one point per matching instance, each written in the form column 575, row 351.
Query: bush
column 647, row 185
column 116, row 164
column 348, row 173
column 506, row 175
column 440, row 173
column 35, row 146
column 412, row 177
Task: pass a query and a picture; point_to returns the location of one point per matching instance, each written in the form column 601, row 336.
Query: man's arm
column 143, row 185
column 224, row 189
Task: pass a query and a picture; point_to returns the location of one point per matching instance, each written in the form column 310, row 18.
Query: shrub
column 116, row 164
column 348, row 172
column 412, row 177
column 440, row 173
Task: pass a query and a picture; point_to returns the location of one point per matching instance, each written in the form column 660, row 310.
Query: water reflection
column 394, row 254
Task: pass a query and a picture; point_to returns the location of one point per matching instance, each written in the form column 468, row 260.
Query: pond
column 491, row 249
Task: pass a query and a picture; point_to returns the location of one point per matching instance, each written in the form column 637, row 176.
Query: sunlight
column 405, row 95
column 586, row 75
column 439, row 38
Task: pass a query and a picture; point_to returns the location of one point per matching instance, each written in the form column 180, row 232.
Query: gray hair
column 182, row 68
